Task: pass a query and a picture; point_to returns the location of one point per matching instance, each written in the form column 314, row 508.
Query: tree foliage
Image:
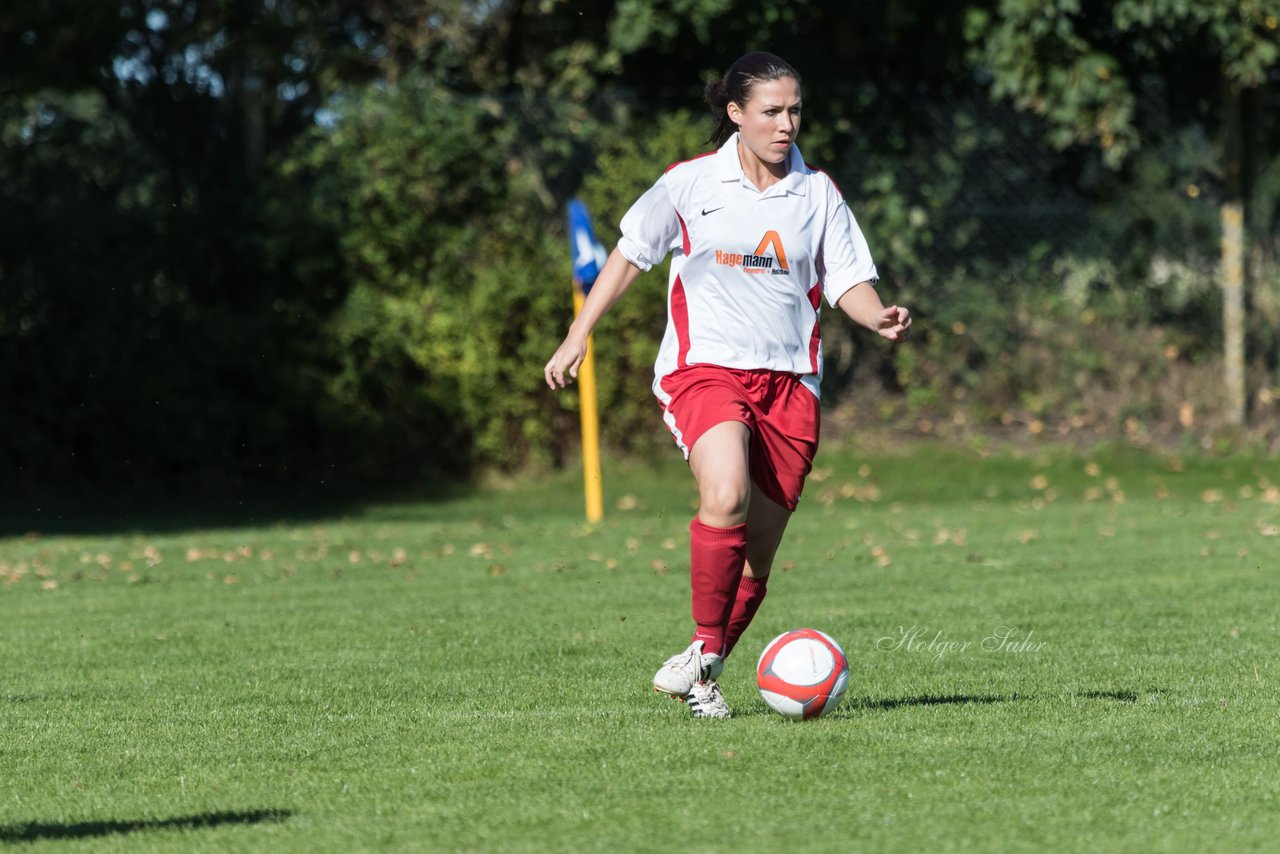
column 297, row 241
column 1082, row 65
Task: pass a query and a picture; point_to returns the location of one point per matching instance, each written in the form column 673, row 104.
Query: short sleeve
column 650, row 228
column 845, row 255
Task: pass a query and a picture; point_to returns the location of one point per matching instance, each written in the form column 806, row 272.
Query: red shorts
column 781, row 413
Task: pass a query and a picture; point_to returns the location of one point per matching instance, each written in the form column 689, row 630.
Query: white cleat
column 706, row 700
column 681, row 672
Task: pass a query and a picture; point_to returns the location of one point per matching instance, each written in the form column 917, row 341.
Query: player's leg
column 766, row 523
column 706, row 408
column 718, row 534
column 719, row 464
column 783, row 444
column 717, row 553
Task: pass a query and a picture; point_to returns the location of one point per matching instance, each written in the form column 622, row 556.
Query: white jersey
column 749, row 268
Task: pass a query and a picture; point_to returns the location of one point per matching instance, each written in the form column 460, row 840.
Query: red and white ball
column 802, row 674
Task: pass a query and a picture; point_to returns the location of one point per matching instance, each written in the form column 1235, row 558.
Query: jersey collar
column 730, row 169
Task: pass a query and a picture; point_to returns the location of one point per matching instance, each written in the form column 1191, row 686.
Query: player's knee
column 724, row 505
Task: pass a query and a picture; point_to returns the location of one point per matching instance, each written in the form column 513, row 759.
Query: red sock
column 750, row 594
column 716, row 559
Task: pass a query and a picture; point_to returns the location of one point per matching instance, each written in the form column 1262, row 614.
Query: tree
column 1080, row 65
column 157, row 311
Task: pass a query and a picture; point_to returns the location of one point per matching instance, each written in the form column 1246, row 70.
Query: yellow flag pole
column 590, row 418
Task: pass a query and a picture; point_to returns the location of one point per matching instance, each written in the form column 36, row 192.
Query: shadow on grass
column 933, row 700
column 35, row 831
column 86, row 513
column 857, row 704
column 861, row 704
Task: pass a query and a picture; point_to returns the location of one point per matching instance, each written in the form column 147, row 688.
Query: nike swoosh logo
column 713, row 210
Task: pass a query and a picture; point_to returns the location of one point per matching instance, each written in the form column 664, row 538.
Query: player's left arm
column 863, row 306
column 845, row 258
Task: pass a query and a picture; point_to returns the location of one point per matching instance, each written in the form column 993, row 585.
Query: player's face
column 770, row 120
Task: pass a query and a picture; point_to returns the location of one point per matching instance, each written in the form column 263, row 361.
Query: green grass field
column 472, row 674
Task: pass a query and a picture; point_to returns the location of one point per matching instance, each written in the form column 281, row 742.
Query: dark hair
column 737, row 84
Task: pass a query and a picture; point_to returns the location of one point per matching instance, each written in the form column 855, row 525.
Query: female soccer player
column 758, row 238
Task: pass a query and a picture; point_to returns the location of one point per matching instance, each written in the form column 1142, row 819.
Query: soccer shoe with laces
column 682, row 671
column 706, row 700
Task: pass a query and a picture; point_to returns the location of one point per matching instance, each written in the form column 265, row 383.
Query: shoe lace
column 691, row 658
column 708, row 699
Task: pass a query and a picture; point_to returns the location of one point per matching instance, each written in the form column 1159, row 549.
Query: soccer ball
column 802, row 674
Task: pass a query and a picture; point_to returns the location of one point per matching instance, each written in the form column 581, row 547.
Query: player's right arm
column 610, row 285
column 647, row 232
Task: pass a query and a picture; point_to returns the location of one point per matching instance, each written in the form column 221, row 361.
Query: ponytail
column 718, row 99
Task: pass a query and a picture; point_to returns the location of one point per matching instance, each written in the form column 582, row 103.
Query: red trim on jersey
column 828, row 177
column 680, row 319
column 690, row 160
column 684, row 235
column 815, row 339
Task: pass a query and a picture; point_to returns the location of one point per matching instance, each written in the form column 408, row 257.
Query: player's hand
column 566, row 360
column 894, row 323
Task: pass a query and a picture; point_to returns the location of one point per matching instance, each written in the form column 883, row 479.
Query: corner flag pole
column 586, row 267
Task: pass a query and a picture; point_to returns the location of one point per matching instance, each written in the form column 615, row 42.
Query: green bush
column 455, row 283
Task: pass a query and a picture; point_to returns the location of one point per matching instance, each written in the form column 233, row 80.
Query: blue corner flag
column 588, row 255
